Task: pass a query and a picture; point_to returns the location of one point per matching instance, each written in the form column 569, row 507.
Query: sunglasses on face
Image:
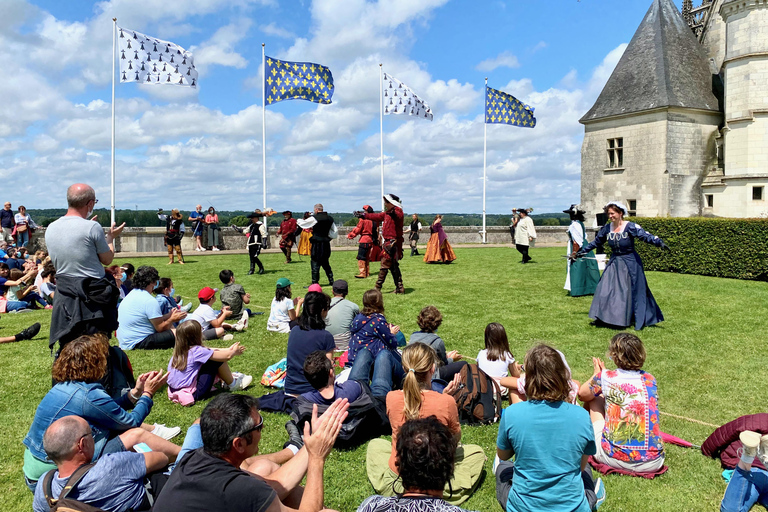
column 255, row 428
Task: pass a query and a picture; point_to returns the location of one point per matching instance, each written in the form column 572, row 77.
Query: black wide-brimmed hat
column 575, row 209
column 255, row 214
column 289, row 212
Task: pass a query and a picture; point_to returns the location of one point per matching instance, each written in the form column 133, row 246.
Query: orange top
column 443, row 407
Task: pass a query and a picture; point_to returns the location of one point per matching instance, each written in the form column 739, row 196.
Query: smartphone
column 142, row 448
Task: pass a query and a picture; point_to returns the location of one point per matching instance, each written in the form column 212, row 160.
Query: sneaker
column 203, row 249
column 762, row 451
column 242, row 324
column 599, row 493
column 750, row 441
column 215, row 249
column 237, row 374
column 186, row 307
column 166, row 433
column 197, row 249
column 49, row 306
column 228, row 337
column 294, row 436
column 496, row 462
column 25, row 310
column 28, row 333
column 240, row 382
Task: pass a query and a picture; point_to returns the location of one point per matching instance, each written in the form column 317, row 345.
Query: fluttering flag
column 504, row 108
column 400, row 99
column 285, row 80
column 149, row 60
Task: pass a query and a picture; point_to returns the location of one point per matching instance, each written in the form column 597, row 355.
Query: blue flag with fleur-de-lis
column 284, row 80
column 504, row 108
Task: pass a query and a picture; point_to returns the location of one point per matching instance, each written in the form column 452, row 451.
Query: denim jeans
column 15, row 305
column 192, row 441
column 745, row 489
column 384, row 371
column 22, row 238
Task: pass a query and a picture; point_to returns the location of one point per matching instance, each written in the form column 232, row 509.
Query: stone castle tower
column 681, row 127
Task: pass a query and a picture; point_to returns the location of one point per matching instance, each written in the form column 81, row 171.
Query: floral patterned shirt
column 632, row 432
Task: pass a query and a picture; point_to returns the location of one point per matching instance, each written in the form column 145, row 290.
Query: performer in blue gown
column 622, row 296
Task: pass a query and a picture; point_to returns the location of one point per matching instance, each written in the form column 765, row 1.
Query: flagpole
column 263, row 129
column 114, row 59
column 485, row 149
column 381, row 129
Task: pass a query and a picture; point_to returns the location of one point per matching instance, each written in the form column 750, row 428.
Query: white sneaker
column 197, row 249
column 186, row 307
column 242, row 324
column 166, row 433
column 237, row 374
column 240, row 382
column 750, row 441
column 762, row 451
column 203, row 249
column 228, row 337
column 215, row 249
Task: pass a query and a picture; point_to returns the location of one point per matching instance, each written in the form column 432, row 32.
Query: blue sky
column 180, row 146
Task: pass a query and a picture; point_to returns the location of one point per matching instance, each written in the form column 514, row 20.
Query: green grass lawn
column 711, row 343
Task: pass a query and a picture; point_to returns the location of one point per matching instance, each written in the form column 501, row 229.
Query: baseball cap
column 206, row 294
column 283, row 282
column 315, row 288
column 340, row 286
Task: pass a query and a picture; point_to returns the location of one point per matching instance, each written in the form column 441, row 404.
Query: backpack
column 62, row 503
column 478, row 397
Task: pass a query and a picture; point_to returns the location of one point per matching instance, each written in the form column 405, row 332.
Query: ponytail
column 418, row 360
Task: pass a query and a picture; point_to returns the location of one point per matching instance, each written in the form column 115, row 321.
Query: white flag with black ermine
column 400, row 99
column 149, row 60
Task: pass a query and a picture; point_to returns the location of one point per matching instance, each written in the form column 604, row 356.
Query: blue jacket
column 92, row 403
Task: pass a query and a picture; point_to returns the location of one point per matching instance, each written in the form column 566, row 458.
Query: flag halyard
column 149, row 60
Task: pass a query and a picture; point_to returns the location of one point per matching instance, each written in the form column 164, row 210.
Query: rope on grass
column 689, row 419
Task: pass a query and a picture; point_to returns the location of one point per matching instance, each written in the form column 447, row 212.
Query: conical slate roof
column 664, row 65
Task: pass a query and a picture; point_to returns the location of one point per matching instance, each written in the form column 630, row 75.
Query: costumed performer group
column 583, row 274
column 392, row 247
column 438, row 248
column 622, row 296
column 368, row 231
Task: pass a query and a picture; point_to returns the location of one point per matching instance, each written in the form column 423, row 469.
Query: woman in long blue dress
column 622, row 296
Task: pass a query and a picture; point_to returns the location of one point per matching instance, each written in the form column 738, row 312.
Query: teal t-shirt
column 548, row 440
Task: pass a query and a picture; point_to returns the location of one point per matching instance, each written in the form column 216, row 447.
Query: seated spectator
column 748, row 485
column 128, row 280
column 416, row 400
column 13, row 260
column 623, row 406
column 114, row 483
column 13, row 304
column 211, row 478
column 429, row 320
column 24, row 224
column 497, row 360
column 25, row 291
column 27, row 334
column 117, row 273
column 283, row 310
column 193, row 369
column 308, row 336
column 551, row 441
column 211, row 321
column 340, row 315
column 164, row 294
column 234, row 296
column 425, row 460
column 516, row 384
column 318, row 370
column 3, row 248
column 77, row 372
column 142, row 324
column 372, row 347
column 40, row 256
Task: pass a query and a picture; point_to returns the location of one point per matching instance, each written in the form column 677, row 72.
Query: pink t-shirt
column 180, row 379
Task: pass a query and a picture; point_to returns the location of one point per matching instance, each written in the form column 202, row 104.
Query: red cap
column 206, row 294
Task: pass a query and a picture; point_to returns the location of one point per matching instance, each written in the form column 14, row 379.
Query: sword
column 582, row 258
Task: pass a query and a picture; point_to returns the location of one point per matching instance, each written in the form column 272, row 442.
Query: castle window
column 757, row 193
column 632, row 207
column 710, row 200
column 616, row 153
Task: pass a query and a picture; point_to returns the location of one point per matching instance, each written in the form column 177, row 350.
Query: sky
column 180, row 146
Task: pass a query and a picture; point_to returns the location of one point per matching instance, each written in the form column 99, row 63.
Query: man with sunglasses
column 116, row 480
column 210, row 478
column 79, row 250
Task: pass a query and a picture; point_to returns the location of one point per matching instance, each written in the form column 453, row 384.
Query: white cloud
column 539, row 46
column 503, row 60
column 219, row 49
column 273, row 30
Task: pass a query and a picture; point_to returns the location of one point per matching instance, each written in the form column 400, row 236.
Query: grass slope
column 711, row 342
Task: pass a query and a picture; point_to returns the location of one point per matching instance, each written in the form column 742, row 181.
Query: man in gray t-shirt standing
column 79, row 249
column 340, row 315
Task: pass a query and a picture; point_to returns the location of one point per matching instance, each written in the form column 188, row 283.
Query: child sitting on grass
column 429, row 320
column 496, row 359
column 318, row 370
column 283, row 310
column 164, row 293
column 193, row 369
column 515, row 383
column 212, row 323
column 623, row 406
column 234, row 296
